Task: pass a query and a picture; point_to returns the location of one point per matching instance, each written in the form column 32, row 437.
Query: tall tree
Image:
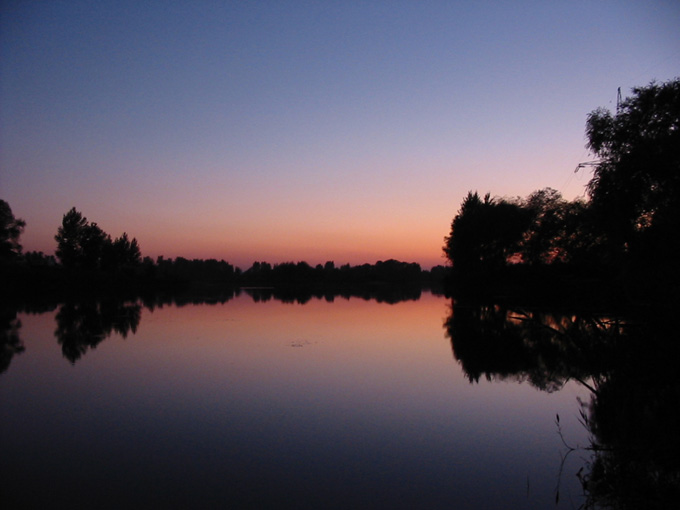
column 80, row 243
column 485, row 233
column 11, row 229
column 636, row 183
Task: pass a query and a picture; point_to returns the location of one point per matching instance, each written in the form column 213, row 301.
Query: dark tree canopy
column 559, row 230
column 494, row 238
column 121, row 252
column 11, row 229
column 79, row 243
column 84, row 245
column 628, row 230
column 636, row 183
column 485, row 233
column 547, row 208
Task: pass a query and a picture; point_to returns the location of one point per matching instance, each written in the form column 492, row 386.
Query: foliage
column 83, row 245
column 636, row 183
column 301, row 273
column 196, row 270
column 11, row 229
column 555, row 223
column 121, row 253
column 489, row 234
column 485, row 233
column 626, row 232
column 79, row 243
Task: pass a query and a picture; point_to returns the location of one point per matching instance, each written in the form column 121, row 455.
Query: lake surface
column 252, row 403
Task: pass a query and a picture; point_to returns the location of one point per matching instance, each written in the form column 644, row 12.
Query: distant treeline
column 36, row 271
column 90, row 260
column 288, row 274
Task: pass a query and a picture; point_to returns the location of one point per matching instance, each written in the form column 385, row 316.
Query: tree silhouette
column 120, row 253
column 11, row 229
column 79, row 243
column 636, row 183
column 541, row 242
column 485, row 233
column 84, row 245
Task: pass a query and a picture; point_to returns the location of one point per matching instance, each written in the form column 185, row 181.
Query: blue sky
column 346, row 131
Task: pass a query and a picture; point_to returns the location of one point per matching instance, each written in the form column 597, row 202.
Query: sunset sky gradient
column 286, row 131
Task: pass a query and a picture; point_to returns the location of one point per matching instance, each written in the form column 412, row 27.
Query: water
column 352, row 403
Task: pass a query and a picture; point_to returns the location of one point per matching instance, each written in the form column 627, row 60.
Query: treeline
column 541, row 247
column 623, row 240
column 89, row 259
column 286, row 274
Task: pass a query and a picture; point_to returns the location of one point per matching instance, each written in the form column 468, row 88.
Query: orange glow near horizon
column 313, row 248
column 204, row 134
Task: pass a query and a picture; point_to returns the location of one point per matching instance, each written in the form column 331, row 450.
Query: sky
column 305, row 130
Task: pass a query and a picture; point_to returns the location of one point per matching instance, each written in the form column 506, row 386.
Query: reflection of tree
column 84, row 325
column 547, row 349
column 381, row 293
column 180, row 299
column 10, row 343
column 634, row 422
column 629, row 366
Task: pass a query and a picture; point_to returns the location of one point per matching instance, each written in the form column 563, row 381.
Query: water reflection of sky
column 350, row 403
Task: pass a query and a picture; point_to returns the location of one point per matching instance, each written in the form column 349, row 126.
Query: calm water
column 346, row 404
